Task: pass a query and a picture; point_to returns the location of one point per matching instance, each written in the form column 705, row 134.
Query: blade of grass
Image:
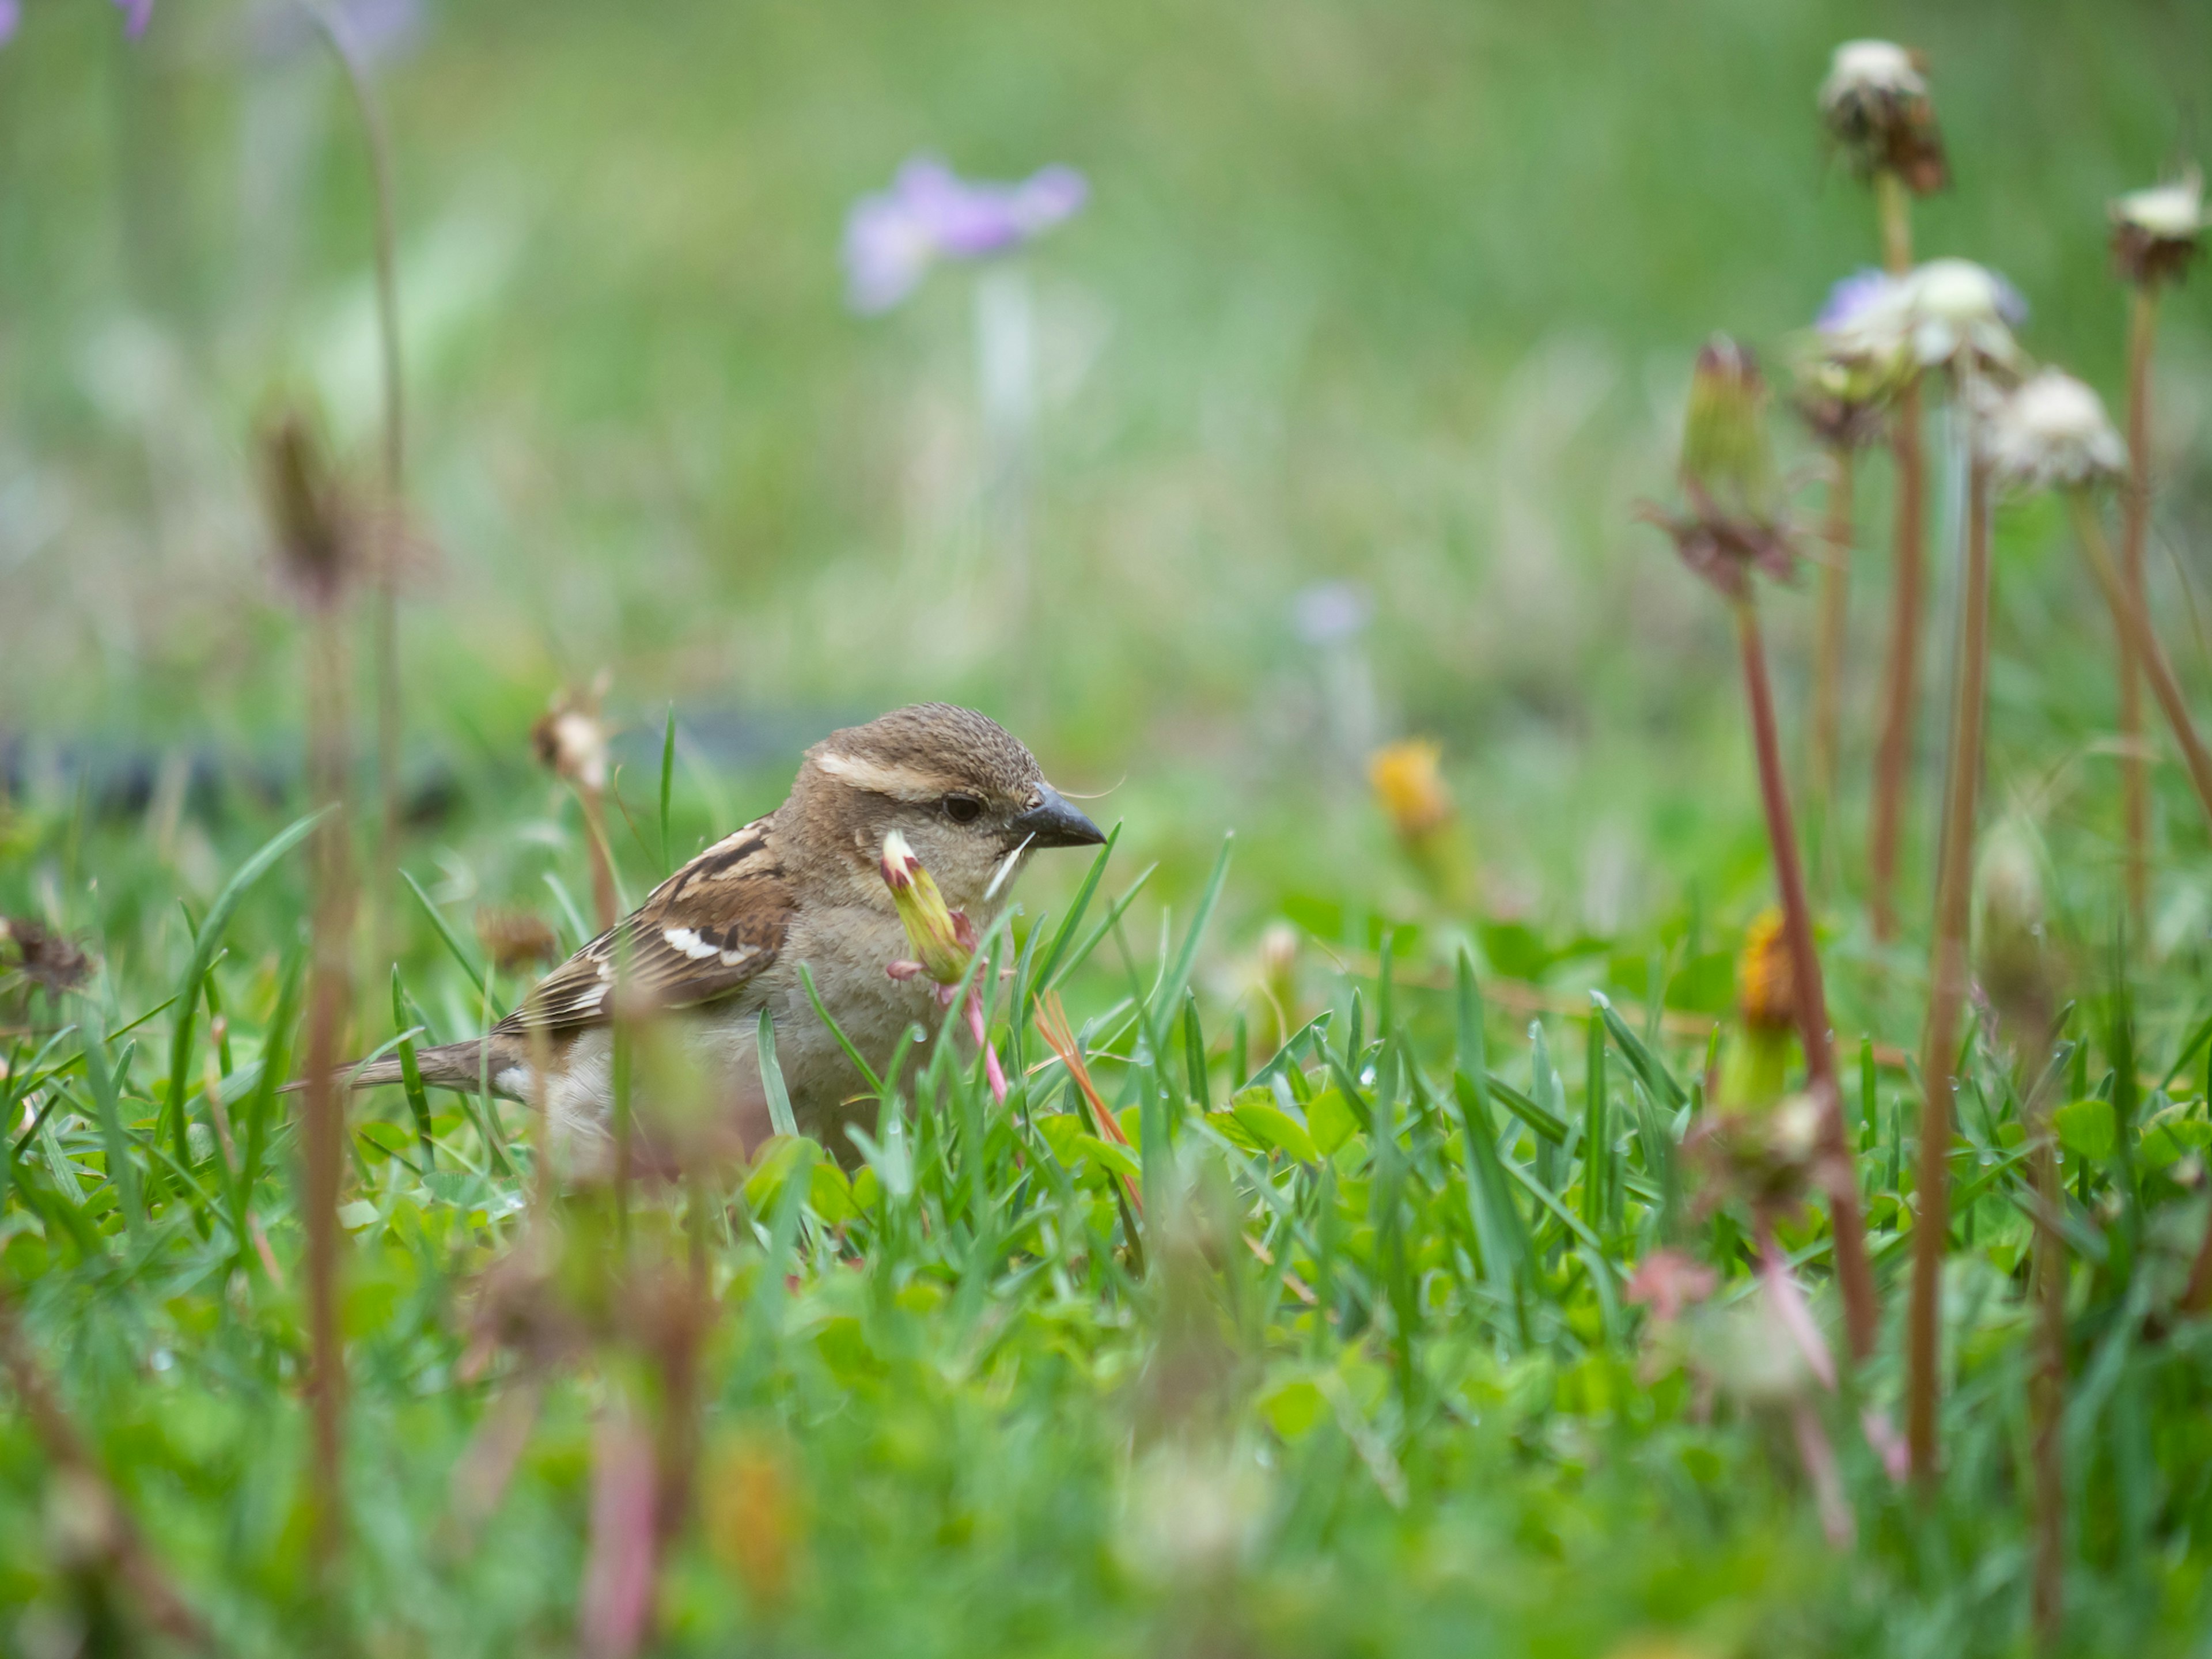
column 453, row 943
column 860, row 1064
column 1647, row 1065
column 410, row 1073
column 261, row 1104
column 203, row 948
column 122, row 1171
column 1073, row 919
column 779, row 1099
column 1172, row 989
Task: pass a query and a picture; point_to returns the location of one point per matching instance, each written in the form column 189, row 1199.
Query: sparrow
column 724, row 938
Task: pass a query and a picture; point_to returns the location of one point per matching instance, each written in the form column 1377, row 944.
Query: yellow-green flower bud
column 944, row 939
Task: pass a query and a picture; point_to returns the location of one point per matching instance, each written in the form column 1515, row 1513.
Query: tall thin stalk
column 330, row 995
column 1854, row 1276
column 1931, row 1225
column 2047, row 1382
column 1829, row 640
column 385, row 560
column 2143, row 332
column 317, row 539
column 2131, row 617
column 1894, row 758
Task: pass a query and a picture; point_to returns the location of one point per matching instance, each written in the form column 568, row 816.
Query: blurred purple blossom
column 1854, row 299
column 11, row 16
column 1328, row 613
column 136, row 14
column 931, row 213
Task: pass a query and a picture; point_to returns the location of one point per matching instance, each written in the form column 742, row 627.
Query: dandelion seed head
column 1875, row 104
column 2156, row 232
column 2052, row 432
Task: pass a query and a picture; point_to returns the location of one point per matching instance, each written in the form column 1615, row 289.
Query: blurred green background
column 1403, row 295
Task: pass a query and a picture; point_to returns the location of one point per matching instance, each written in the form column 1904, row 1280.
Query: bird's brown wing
column 699, row 936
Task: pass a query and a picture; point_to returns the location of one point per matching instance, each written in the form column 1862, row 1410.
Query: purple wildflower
column 1854, row 299
column 931, row 213
column 11, row 17
column 136, row 14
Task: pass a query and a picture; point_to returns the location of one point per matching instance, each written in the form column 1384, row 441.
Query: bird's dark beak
column 1052, row 823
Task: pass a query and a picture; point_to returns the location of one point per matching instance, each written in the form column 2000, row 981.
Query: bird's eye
column 963, row 809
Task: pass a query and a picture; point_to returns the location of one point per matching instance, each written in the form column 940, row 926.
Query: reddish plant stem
column 2046, row 1397
column 2132, row 619
column 1829, row 641
column 2135, row 774
column 1900, row 675
column 1894, row 758
column 329, row 992
column 1854, row 1275
column 1931, row 1226
column 604, row 902
column 385, row 570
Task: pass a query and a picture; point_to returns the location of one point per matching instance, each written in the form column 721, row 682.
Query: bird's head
column 964, row 792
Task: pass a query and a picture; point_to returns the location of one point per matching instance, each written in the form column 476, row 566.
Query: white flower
column 2171, row 212
column 1947, row 311
column 2051, row 431
column 1870, row 68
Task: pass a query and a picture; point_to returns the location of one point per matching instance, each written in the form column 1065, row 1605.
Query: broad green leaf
column 1330, row 1120
column 2087, row 1128
column 1275, row 1128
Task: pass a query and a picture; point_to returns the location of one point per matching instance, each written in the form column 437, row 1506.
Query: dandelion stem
column 2133, row 621
column 2047, row 1381
column 1931, row 1226
column 1894, row 758
column 2143, row 332
column 1894, row 205
column 1828, row 645
column 377, row 138
column 1854, row 1276
column 329, row 996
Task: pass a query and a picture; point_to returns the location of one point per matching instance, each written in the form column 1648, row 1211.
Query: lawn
column 1422, row 1234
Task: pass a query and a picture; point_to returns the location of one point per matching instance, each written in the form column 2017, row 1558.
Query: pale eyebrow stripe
column 899, row 782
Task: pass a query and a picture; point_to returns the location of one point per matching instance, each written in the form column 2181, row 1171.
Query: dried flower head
column 515, row 938
column 1407, row 776
column 571, row 740
column 944, row 939
column 1767, row 993
column 1847, row 371
column 2156, row 232
column 1766, row 1159
column 45, row 959
column 1728, row 472
column 318, row 539
column 2052, row 432
column 931, row 213
column 1875, row 105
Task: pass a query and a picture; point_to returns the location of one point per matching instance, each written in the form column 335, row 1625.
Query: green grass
column 948, row 1401
column 1339, row 1359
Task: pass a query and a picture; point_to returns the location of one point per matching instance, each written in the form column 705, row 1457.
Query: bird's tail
column 448, row 1065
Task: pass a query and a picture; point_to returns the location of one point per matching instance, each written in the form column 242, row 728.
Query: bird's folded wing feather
column 700, row 935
